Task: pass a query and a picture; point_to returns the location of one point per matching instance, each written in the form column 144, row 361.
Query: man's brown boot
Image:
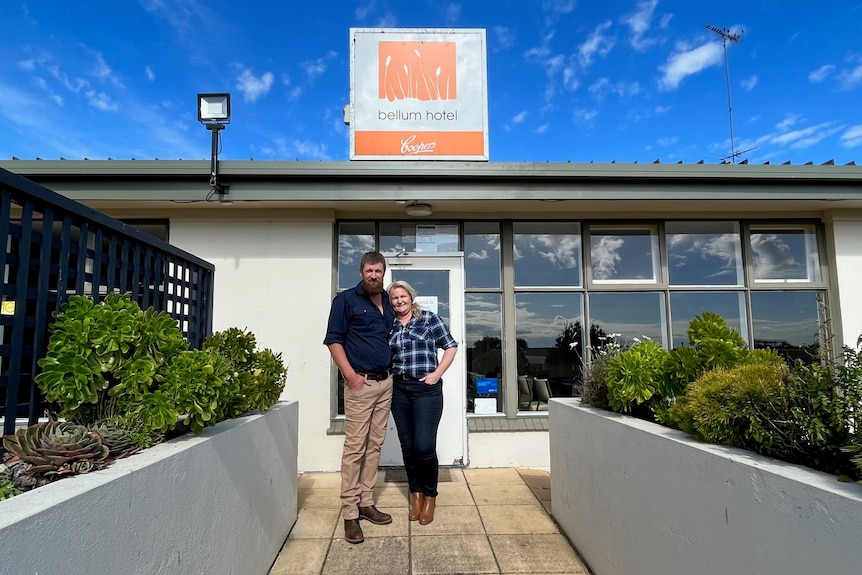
column 352, row 531
column 374, row 515
column 427, row 514
column 416, row 500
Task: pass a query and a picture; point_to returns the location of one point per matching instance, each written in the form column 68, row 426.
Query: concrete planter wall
column 219, row 502
column 636, row 497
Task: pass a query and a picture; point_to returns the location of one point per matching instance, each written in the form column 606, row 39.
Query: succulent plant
column 118, row 441
column 57, row 448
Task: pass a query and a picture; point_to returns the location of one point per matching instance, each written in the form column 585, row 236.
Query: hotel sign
column 418, row 94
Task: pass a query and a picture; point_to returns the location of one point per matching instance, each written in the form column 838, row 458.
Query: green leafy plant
column 197, row 386
column 635, row 375
column 260, row 375
column 107, row 350
column 7, row 488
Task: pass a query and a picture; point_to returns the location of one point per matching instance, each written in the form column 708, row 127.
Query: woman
column 417, row 393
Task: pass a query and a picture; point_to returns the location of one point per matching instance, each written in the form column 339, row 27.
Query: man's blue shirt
column 357, row 324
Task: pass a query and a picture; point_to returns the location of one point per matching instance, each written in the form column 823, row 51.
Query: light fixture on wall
column 214, row 114
column 418, row 210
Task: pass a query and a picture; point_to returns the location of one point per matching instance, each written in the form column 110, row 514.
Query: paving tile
column 536, row 478
column 398, row 527
column 451, row 554
column 329, row 480
column 377, row 556
column 318, row 498
column 542, row 494
column 492, row 476
column 546, row 505
column 451, row 520
column 514, row 519
column 454, row 494
column 312, row 523
column 503, row 494
column 301, row 557
column 535, row 553
column 391, row 495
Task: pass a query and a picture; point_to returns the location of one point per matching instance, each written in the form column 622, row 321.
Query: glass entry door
column 439, row 283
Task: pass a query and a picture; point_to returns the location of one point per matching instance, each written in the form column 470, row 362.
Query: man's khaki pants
column 366, row 414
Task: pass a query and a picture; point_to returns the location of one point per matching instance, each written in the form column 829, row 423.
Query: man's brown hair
column 371, row 258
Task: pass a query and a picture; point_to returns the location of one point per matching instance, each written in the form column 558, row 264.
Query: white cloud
column 749, row 83
column 852, row 137
column 597, row 43
column 542, row 129
column 807, row 137
column 515, row 120
column 821, row 73
column 582, row 115
column 505, row 38
column 101, row 101
column 149, row 72
column 451, row 13
column 787, row 122
column 688, row 62
column 851, row 78
column 316, row 68
column 661, row 110
column 667, row 141
column 362, row 11
column 603, row 86
column 253, row 87
column 639, row 23
column 606, row 255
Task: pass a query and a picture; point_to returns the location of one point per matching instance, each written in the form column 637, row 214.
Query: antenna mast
column 728, row 36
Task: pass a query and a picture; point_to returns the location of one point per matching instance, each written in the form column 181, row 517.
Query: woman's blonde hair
column 416, row 309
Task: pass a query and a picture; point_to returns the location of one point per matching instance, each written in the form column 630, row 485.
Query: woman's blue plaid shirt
column 414, row 346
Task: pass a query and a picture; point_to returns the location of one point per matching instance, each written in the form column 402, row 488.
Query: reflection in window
column 787, row 321
column 548, row 327
column 483, row 320
column 482, row 254
column 547, row 254
column 685, row 305
column 624, row 255
column 704, row 253
column 354, row 239
column 631, row 316
column 411, row 237
column 785, row 254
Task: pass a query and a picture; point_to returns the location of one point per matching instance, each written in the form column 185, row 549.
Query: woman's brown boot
column 416, row 500
column 427, row 514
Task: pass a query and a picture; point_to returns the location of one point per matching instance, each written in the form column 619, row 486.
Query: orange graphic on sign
column 416, row 70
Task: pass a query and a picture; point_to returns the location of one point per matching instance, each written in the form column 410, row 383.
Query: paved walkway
column 487, row 521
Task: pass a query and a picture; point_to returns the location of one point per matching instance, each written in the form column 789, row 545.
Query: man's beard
column 372, row 288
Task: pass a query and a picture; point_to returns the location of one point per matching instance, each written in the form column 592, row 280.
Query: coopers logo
column 417, row 71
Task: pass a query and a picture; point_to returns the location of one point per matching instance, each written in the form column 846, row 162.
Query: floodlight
column 214, row 108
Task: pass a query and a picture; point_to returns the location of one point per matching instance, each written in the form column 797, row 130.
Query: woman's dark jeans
column 417, row 408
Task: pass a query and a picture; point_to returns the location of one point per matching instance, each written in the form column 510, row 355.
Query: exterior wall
column 510, row 449
column 847, row 238
column 635, row 497
column 274, row 278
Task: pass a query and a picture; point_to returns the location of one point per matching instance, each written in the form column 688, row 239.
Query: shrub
column 732, row 406
column 595, row 390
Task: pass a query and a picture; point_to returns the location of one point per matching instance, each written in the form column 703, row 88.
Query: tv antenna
column 728, row 36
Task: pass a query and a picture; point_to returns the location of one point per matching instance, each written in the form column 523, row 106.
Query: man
column 358, row 339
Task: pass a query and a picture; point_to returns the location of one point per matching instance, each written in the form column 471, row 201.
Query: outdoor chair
column 541, row 393
column 525, row 392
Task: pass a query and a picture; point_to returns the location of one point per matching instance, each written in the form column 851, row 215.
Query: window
column 354, row 239
column 629, row 316
column 704, row 253
column 547, row 254
column 782, row 254
column 397, row 237
column 483, row 318
column 684, row 305
column 482, row 254
column 788, row 322
column 624, row 254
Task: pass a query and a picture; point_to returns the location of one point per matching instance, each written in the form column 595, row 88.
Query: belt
column 375, row 376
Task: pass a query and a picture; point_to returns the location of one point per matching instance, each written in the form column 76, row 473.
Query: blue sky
column 568, row 80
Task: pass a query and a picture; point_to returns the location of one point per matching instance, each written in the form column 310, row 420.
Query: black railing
column 56, row 247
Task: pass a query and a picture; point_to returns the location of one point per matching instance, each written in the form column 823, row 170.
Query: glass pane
column 624, row 255
column 685, row 305
column 548, row 327
column 483, row 318
column 787, row 321
column 482, row 254
column 354, row 239
column 629, row 316
column 785, row 255
column 547, row 254
column 432, row 289
column 411, row 237
column 704, row 253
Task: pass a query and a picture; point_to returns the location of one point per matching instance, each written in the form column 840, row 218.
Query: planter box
column 636, row 497
column 219, row 502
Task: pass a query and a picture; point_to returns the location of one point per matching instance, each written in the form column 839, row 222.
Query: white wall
column 509, row 449
column 274, row 278
column 635, row 497
column 847, row 238
column 219, row 503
